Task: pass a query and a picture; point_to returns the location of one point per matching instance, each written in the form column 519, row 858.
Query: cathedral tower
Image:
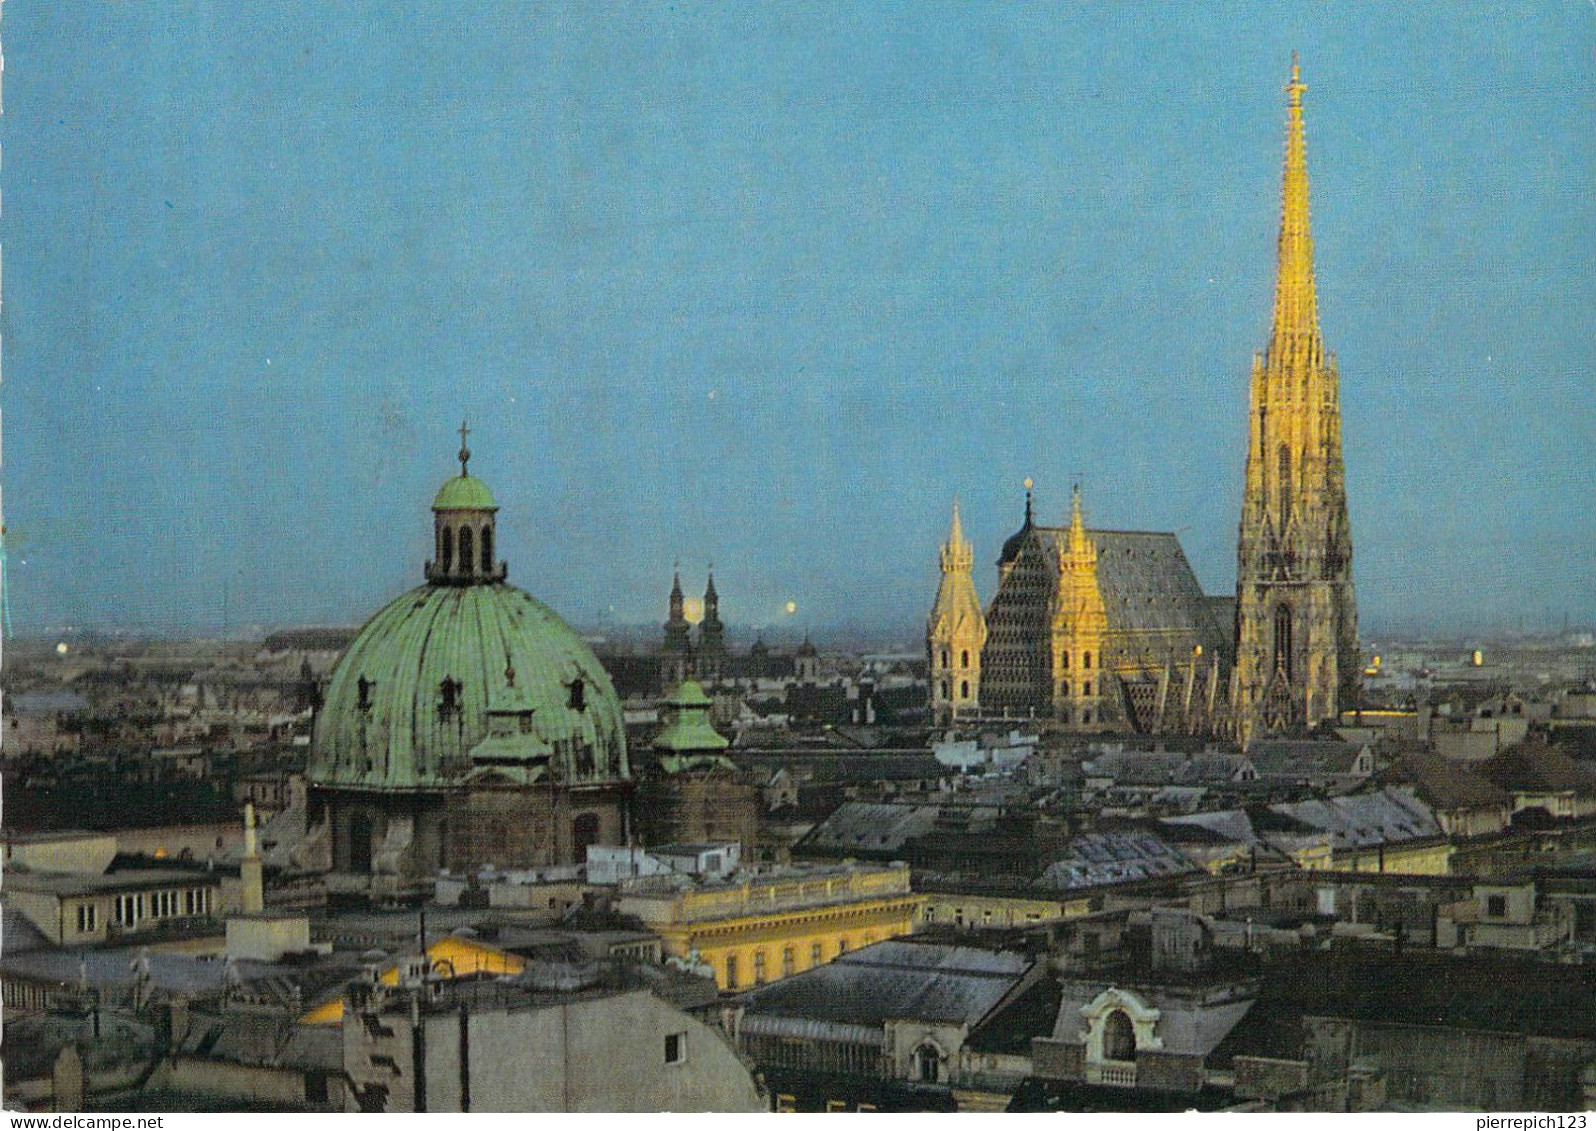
column 711, row 635
column 1296, row 617
column 676, row 653
column 955, row 633
column 1080, row 621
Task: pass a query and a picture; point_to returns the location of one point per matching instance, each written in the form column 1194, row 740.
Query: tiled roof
column 1446, row 784
column 1093, row 859
column 875, row 827
column 1365, row 819
column 896, row 979
column 1148, row 585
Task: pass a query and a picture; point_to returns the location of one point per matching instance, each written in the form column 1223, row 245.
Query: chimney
column 249, row 871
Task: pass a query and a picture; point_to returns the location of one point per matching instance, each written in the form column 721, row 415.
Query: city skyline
column 741, row 289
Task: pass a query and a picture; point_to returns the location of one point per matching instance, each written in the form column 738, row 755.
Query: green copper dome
column 464, row 493
column 408, row 706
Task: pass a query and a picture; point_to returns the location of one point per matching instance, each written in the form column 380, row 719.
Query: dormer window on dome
column 463, row 520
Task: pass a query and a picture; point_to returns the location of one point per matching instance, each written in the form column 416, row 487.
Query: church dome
column 1016, row 541
column 464, row 492
column 448, row 678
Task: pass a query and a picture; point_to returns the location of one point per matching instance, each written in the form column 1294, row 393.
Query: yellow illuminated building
column 1411, row 858
column 1080, row 621
column 449, row 957
column 762, row 928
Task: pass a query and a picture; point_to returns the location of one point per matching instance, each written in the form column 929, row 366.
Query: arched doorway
column 928, row 1064
column 1119, row 1037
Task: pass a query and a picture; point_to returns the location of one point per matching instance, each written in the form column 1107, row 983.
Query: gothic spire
column 1296, row 322
column 957, row 554
column 1078, row 542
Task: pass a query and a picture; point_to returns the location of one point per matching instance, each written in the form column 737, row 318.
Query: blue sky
column 767, row 285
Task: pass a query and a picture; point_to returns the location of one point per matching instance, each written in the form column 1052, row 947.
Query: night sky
column 767, row 285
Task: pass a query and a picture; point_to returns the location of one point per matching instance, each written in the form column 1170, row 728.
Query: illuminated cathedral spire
column 955, row 631
column 1296, row 615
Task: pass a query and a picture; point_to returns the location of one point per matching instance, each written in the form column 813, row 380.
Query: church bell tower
column 1296, row 615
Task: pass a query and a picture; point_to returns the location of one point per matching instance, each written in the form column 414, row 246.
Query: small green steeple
column 688, row 741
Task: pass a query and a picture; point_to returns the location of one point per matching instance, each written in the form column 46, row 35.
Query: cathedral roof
column 1147, row 583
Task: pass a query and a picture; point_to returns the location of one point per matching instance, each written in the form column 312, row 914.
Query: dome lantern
column 464, row 529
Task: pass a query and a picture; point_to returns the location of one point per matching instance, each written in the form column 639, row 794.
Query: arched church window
column 1283, row 639
column 446, row 550
column 964, row 659
column 487, row 549
column 945, row 658
column 928, row 1063
column 964, row 689
column 1066, row 658
column 1086, row 688
column 465, row 549
column 947, row 689
column 1119, row 1037
column 1285, row 484
column 1086, row 662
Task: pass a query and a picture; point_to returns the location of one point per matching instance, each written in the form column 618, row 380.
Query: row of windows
column 987, row 917
column 789, row 961
column 947, row 689
column 127, row 910
column 964, row 659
